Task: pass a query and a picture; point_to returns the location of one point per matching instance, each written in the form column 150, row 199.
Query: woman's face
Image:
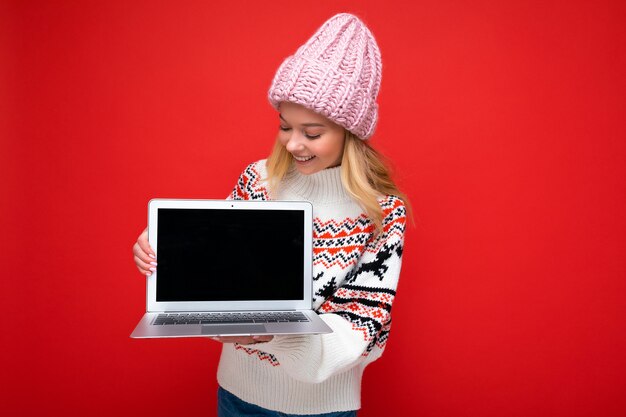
column 315, row 142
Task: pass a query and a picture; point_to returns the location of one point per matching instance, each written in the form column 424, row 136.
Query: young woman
column 325, row 95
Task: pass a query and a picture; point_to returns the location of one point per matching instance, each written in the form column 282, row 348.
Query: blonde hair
column 365, row 175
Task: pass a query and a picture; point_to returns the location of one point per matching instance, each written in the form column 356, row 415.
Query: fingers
column 145, row 268
column 242, row 340
column 144, row 256
column 145, row 264
column 145, row 245
column 261, row 339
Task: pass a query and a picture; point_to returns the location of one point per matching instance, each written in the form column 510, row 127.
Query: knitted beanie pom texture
column 336, row 73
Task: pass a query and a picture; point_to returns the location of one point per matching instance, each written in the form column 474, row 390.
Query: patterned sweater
column 355, row 277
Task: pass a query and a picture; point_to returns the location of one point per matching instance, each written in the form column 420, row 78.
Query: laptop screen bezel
column 152, row 305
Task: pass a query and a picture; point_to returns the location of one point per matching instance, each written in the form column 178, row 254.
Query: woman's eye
column 287, row 129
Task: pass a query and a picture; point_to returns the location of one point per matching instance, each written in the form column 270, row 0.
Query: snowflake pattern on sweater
column 351, row 265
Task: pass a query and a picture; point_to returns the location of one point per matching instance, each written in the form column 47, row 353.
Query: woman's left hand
column 243, row 340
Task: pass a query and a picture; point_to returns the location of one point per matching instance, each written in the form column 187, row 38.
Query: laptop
column 230, row 268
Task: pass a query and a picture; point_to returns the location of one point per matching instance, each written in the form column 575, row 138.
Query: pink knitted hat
column 336, row 74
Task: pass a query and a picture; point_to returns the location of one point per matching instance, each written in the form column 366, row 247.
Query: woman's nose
column 295, row 142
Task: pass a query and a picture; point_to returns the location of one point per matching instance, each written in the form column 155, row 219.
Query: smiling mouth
column 303, row 158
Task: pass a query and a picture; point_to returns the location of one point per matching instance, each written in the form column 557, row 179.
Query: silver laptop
column 230, row 268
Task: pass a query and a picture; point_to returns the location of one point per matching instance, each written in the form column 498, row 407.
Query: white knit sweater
column 355, row 277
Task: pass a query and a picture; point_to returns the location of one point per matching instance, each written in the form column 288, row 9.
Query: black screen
column 230, row 255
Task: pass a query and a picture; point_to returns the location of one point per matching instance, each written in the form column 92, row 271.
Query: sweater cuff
column 314, row 358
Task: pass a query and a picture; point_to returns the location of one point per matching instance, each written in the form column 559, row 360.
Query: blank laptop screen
column 230, row 255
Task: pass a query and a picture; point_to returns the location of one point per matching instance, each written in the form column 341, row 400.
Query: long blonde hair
column 364, row 174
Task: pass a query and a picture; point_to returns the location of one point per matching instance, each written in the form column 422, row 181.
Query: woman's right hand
column 145, row 259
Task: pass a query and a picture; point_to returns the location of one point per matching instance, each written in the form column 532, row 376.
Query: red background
column 505, row 121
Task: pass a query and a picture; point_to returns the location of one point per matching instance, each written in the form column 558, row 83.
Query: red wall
column 505, row 120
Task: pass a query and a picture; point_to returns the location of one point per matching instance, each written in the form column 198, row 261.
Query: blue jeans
column 229, row 405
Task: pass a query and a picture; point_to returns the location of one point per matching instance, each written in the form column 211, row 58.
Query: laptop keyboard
column 230, row 318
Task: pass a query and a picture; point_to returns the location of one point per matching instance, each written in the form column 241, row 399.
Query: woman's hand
column 145, row 259
column 243, row 340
